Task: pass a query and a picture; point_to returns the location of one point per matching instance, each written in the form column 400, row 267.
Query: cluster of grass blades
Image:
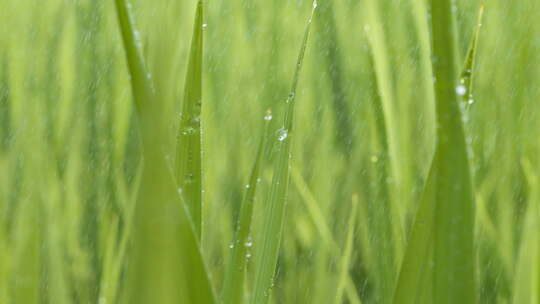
column 177, row 242
column 389, row 184
column 166, row 265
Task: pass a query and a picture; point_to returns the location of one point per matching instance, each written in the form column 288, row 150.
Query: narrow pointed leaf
column 140, row 82
column 454, row 257
column 442, row 233
column 269, row 243
column 188, row 145
column 466, row 76
column 233, row 286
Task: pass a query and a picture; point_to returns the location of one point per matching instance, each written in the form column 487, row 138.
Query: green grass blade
column 454, row 273
column 466, row 76
column 141, row 83
column 347, row 253
column 415, row 265
column 188, row 144
column 233, row 286
column 267, row 253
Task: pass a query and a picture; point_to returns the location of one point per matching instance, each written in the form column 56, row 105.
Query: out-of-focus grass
column 89, row 209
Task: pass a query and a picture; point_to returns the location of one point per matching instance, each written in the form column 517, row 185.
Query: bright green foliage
column 466, row 75
column 167, row 265
column 416, row 274
column 454, row 270
column 97, row 200
column 267, row 251
column 233, row 286
column 188, row 142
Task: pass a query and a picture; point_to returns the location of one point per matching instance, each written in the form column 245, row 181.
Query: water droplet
column 180, row 190
column 188, row 131
column 283, row 133
column 315, row 4
column 231, row 246
column 205, row 25
column 367, row 28
column 470, row 101
column 461, row 90
column 268, row 117
column 248, row 186
column 137, row 36
column 248, row 243
column 190, row 178
column 259, row 180
column 248, row 255
column 374, row 159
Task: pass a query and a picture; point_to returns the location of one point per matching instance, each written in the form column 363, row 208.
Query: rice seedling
column 401, row 168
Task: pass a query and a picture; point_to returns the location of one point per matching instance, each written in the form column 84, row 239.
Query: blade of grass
column 141, row 83
column 188, row 144
column 267, row 252
column 387, row 212
column 466, row 76
column 454, row 273
column 415, row 269
column 233, row 286
column 347, row 253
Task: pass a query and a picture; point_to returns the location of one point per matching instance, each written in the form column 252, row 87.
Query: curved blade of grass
column 454, row 273
column 233, row 285
column 141, row 84
column 466, row 76
column 267, row 252
column 166, row 264
column 188, row 143
column 347, row 253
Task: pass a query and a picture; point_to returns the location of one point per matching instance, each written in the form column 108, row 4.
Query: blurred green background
column 70, row 154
